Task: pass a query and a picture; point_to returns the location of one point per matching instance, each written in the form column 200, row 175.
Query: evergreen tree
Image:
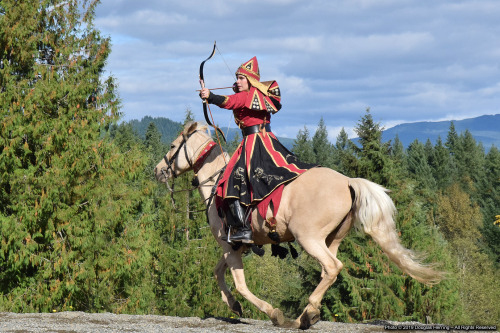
column 302, row 146
column 233, row 144
column 374, row 162
column 155, row 148
column 398, row 151
column 453, row 145
column 75, row 229
column 124, row 136
column 441, row 165
column 343, row 159
column 489, row 188
column 418, row 165
column 321, row 146
column 469, row 158
column 452, row 140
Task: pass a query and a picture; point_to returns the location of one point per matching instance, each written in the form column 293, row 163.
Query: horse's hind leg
column 331, row 267
column 235, row 264
column 227, row 297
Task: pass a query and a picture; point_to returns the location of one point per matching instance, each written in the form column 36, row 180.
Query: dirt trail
column 79, row 322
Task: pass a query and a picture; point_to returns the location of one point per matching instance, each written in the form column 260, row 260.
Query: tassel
column 278, row 251
column 275, row 237
column 293, row 252
column 258, row 250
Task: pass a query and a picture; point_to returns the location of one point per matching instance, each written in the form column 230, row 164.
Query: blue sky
column 407, row 60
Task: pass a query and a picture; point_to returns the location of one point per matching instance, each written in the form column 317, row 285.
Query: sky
column 405, row 60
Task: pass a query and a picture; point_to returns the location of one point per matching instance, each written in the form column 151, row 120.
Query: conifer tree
column 398, row 151
column 321, row 146
column 441, row 165
column 75, row 231
column 155, row 148
column 374, row 162
column 344, row 160
column 124, row 136
column 469, row 158
column 489, row 188
column 302, row 146
column 418, row 165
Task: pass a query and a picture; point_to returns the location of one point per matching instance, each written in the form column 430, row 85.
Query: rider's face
column 242, row 83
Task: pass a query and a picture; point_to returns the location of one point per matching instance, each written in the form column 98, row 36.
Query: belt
column 254, row 129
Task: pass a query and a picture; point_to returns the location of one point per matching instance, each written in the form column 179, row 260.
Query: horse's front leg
column 227, row 297
column 235, row 264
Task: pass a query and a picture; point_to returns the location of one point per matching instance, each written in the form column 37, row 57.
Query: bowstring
column 230, row 73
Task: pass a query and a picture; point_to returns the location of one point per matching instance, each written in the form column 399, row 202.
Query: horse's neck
column 208, row 170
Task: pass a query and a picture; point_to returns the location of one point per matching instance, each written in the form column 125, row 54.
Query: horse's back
column 320, row 197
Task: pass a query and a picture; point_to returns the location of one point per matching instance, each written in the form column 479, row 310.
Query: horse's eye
column 172, row 146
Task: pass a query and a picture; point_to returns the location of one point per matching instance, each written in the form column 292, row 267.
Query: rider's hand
column 204, row 93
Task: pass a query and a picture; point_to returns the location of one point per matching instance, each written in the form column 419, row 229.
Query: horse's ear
column 191, row 127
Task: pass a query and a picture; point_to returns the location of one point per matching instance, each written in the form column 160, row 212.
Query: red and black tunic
column 261, row 164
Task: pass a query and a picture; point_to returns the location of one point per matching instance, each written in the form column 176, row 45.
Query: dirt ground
column 76, row 322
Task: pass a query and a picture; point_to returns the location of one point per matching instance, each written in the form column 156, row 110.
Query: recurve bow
column 206, row 108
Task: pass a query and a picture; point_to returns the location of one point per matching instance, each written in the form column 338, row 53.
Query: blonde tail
column 374, row 214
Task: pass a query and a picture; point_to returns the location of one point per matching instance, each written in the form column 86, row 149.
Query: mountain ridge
column 484, row 129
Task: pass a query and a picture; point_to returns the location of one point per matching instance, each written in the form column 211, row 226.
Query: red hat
column 250, row 69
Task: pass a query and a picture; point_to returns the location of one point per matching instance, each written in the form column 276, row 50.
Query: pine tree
column 469, row 158
column 489, row 189
column 344, row 160
column 302, row 146
column 441, row 165
column 124, row 136
column 453, row 145
column 321, row 146
column 418, row 165
column 398, row 152
column 155, row 148
column 374, row 162
column 75, row 228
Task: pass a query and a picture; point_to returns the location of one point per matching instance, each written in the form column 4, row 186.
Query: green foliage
column 373, row 155
column 167, row 128
column 321, row 146
column 84, row 226
column 303, row 147
column 74, row 219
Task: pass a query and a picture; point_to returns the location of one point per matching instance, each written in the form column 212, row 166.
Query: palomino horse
column 317, row 210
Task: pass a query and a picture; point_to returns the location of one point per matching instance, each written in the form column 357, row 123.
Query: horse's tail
column 374, row 214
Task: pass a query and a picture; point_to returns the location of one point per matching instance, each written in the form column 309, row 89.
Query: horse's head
column 180, row 157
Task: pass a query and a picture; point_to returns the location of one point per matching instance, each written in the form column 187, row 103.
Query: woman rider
column 261, row 164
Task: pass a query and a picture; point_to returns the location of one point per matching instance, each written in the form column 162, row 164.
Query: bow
column 205, row 103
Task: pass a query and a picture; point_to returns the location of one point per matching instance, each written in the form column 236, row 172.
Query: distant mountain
column 168, row 129
column 485, row 129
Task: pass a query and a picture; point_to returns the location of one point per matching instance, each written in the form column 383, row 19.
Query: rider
column 260, row 164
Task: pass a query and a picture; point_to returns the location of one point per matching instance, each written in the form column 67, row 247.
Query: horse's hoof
column 309, row 317
column 277, row 317
column 236, row 308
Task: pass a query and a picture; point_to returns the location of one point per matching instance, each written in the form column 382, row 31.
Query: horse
column 317, row 210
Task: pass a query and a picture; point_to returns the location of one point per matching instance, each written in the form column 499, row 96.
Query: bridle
column 169, row 161
column 195, row 182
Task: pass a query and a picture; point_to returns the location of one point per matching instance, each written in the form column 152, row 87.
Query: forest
column 84, row 226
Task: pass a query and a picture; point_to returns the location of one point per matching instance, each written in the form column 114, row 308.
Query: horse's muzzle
column 161, row 175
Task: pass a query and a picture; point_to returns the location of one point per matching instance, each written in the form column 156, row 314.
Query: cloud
column 405, row 59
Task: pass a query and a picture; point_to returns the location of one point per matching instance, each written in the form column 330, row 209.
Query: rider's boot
column 236, row 219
